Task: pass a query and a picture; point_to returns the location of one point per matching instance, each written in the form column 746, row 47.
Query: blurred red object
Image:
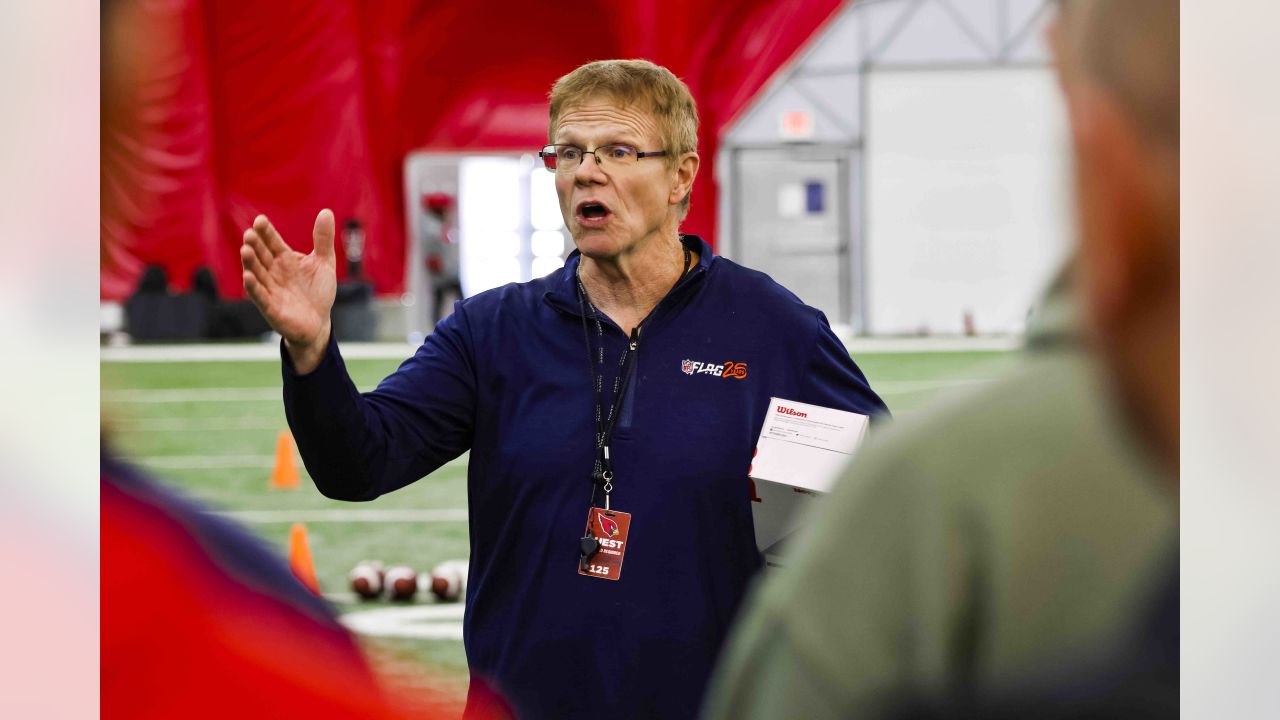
column 199, row 620
column 437, row 202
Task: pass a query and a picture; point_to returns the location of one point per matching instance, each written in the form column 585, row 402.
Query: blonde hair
column 640, row 83
column 1130, row 47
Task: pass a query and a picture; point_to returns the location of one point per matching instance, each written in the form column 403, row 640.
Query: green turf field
column 210, row 430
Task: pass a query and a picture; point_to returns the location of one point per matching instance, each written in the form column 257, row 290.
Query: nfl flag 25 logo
column 728, row 370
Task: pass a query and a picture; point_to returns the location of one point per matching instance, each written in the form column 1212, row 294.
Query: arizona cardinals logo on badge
column 607, row 525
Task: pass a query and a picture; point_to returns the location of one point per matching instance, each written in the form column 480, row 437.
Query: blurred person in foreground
column 611, row 410
column 199, row 619
column 1014, row 552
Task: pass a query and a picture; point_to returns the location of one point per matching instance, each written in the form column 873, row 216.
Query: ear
column 686, row 171
column 1117, row 206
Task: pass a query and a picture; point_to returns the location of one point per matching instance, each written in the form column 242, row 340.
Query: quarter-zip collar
column 563, row 294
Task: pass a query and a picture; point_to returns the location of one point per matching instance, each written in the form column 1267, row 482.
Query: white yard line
column 345, row 516
column 423, row 622
column 239, row 352
column 178, row 395
column 871, row 345
column 204, row 462
column 897, row 387
column 182, row 423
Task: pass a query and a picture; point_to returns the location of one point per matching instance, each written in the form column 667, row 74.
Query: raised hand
column 294, row 292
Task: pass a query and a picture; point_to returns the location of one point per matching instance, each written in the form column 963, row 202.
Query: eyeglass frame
column 585, row 152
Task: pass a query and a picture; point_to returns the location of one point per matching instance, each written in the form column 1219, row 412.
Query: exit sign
column 796, row 125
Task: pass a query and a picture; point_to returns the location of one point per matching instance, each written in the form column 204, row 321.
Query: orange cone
column 300, row 558
column 285, row 474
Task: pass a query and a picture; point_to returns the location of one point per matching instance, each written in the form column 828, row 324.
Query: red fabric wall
column 242, row 107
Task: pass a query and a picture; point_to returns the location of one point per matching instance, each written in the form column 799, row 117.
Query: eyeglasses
column 567, row 158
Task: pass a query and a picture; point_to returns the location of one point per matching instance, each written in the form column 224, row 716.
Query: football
column 401, row 582
column 366, row 579
column 449, row 580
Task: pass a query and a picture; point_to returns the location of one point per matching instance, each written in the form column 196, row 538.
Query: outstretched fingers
column 274, row 244
column 252, row 260
column 258, row 293
column 254, row 242
column 256, row 278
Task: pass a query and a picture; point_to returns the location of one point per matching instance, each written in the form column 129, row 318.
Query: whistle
column 588, row 546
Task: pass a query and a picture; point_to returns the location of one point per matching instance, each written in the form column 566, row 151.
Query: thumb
column 322, row 234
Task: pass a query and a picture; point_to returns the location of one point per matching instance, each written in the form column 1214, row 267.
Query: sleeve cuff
column 330, row 359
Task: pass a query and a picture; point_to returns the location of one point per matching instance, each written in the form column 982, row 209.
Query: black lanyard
column 602, row 470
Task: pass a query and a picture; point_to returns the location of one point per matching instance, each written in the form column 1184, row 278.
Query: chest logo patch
column 727, row 370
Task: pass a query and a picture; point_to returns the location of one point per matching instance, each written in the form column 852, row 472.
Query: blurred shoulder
column 1048, row 424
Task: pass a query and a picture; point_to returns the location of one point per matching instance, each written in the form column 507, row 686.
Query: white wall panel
column 966, row 197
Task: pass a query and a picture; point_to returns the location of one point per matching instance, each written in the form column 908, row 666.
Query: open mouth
column 592, row 212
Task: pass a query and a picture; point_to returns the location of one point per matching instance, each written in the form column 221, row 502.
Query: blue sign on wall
column 814, row 202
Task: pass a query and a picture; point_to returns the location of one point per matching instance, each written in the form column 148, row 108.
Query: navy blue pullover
column 507, row 377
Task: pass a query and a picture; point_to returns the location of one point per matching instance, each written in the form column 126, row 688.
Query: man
column 611, row 410
column 1014, row 552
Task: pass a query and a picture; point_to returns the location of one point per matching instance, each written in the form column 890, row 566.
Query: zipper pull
column 635, row 337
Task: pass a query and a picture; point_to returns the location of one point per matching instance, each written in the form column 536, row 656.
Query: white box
column 801, row 450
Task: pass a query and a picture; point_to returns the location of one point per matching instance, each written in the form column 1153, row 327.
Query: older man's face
column 615, row 209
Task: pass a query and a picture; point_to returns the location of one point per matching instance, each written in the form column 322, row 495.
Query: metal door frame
column 849, row 243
